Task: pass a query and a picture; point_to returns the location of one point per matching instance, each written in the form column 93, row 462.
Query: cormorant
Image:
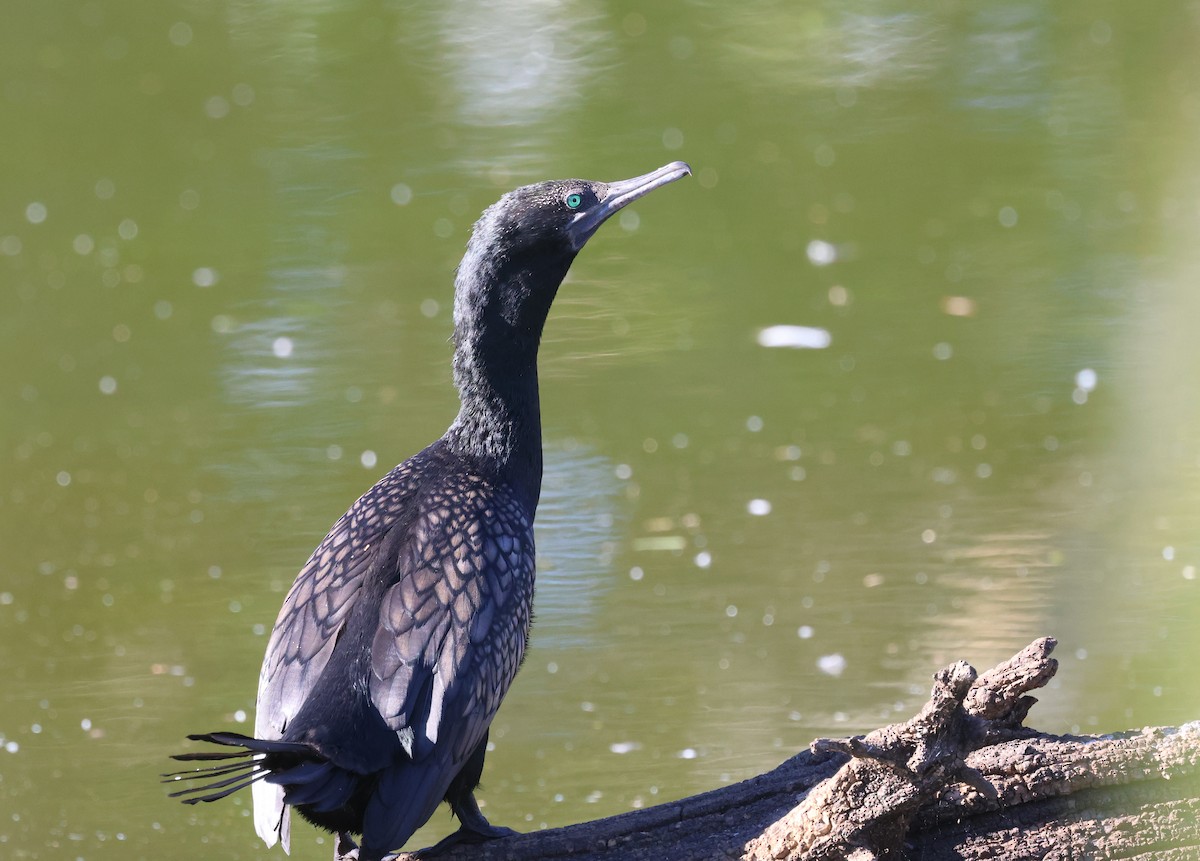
column 404, row 630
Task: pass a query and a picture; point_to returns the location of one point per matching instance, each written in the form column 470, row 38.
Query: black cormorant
column 403, row 632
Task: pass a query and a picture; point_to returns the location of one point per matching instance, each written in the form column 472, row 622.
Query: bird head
column 524, row 243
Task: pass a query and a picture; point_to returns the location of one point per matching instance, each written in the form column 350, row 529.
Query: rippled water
column 906, row 373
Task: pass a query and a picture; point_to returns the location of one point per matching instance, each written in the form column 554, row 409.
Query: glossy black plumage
column 405, row 629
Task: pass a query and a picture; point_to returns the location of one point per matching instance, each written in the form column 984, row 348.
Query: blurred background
column 906, row 373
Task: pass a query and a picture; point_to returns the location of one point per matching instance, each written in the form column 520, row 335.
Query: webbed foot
column 465, row 835
column 475, row 828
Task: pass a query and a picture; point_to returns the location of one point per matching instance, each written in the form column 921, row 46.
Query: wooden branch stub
column 962, row 780
column 869, row 805
column 998, row 694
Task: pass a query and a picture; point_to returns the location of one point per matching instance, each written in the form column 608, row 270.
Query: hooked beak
column 620, row 194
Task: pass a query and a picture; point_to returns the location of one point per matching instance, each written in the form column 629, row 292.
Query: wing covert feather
column 452, row 630
column 322, row 597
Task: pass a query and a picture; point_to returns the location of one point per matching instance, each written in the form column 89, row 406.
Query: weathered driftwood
column 962, row 779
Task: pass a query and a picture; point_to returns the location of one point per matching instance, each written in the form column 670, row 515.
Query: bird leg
column 474, row 829
column 344, row 847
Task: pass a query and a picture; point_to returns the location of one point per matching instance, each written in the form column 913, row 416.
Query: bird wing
column 452, row 631
column 314, row 612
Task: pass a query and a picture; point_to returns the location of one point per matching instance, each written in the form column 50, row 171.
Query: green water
column 228, row 232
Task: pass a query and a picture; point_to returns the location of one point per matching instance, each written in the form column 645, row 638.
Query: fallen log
column 963, row 779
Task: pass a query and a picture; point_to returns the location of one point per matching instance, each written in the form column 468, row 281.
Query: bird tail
column 234, row 769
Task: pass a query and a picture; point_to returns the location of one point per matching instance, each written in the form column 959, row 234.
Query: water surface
column 227, row 240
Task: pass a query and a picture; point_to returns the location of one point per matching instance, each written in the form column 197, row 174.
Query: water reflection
column 835, row 46
column 519, row 63
column 262, row 374
column 1002, row 62
column 578, row 521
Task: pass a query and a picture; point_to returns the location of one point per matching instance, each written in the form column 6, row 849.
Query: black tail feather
column 201, row 756
column 210, row 771
column 218, row 789
column 250, row 765
column 251, row 744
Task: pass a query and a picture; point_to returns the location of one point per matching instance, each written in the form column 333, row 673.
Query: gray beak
column 620, row 194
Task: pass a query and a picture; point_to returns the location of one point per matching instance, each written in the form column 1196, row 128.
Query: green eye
column 574, row 200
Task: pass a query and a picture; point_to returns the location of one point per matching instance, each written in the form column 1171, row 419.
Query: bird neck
column 499, row 312
column 499, row 420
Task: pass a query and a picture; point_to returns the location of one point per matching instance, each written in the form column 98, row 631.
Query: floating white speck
column 180, row 34
column 624, row 746
column 368, row 458
column 759, row 507
column 243, row 95
column 804, row 632
column 108, row 385
column 205, row 276
column 1086, row 380
column 703, row 559
column 217, row 107
column 796, row 337
column 35, row 213
column 1168, row 553
column 687, row 753
column 831, row 665
column 673, row 543
column 958, row 306
column 821, row 253
column 402, row 195
column 239, row 716
column 282, row 347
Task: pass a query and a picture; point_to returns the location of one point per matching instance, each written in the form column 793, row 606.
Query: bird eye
column 574, row 201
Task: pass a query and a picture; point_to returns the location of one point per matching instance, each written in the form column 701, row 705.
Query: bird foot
column 478, row 834
column 344, row 848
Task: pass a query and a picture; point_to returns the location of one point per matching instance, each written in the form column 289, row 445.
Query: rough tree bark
column 963, row 779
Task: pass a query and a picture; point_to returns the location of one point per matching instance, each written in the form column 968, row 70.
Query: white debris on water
column 795, row 337
column 831, row 665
